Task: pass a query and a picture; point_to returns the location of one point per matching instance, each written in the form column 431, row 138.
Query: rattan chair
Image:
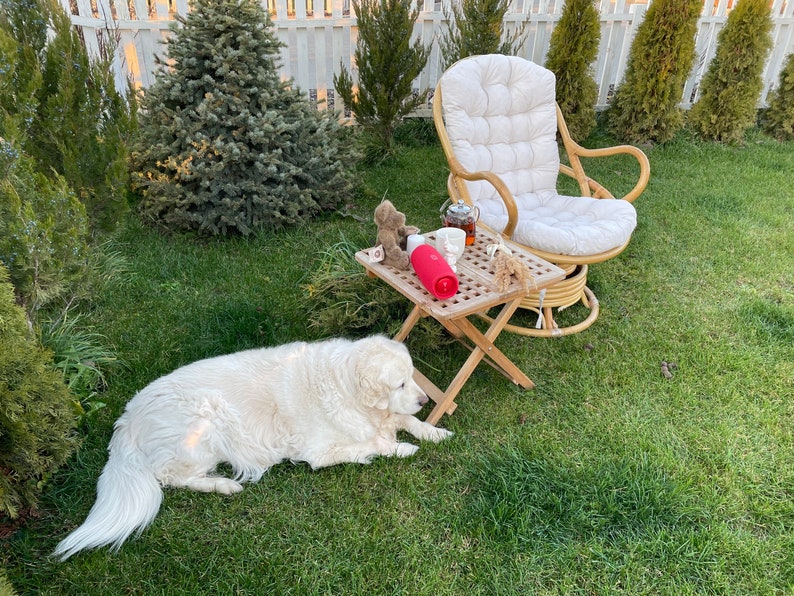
column 498, row 121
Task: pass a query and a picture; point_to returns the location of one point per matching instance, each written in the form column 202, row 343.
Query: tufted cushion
column 564, row 225
column 500, row 115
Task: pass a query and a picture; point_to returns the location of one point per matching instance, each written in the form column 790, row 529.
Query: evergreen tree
column 223, row 146
column 63, row 109
column 778, row 120
column 732, row 85
column 43, row 231
column 573, row 48
column 645, row 107
column 387, row 65
column 477, row 27
column 37, row 417
column 21, row 74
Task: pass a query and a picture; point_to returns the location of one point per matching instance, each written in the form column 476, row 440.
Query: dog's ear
column 380, row 367
column 374, row 394
column 373, row 379
column 373, row 389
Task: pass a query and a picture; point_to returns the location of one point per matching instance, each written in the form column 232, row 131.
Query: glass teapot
column 463, row 216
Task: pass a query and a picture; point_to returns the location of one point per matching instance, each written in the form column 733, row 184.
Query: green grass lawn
column 607, row 478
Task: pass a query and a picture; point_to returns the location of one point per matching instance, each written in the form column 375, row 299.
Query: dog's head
column 385, row 375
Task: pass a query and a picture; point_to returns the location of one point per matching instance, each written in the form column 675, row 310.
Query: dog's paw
column 227, row 486
column 212, row 484
column 365, row 459
column 428, row 432
column 405, row 450
column 438, row 434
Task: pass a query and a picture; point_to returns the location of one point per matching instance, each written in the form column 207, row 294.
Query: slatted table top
column 477, row 291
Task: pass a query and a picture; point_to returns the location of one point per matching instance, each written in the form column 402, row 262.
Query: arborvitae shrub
column 477, row 27
column 645, row 107
column 63, row 109
column 37, row 419
column 387, row 64
column 732, row 85
column 573, row 48
column 223, row 146
column 44, row 231
column 778, row 120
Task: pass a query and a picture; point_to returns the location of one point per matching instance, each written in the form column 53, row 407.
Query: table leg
column 430, row 388
column 411, row 320
column 484, row 346
column 485, row 342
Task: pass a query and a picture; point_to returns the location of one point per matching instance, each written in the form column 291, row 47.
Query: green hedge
column 778, row 121
column 37, row 418
column 645, row 107
column 573, row 48
column 732, row 85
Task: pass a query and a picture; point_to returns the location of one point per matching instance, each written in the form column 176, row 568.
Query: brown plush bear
column 393, row 234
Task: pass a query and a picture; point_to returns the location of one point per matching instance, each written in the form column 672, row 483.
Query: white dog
column 322, row 403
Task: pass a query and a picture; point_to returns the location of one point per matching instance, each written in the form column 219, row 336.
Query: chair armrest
column 596, row 189
column 642, row 160
column 504, row 192
column 587, row 184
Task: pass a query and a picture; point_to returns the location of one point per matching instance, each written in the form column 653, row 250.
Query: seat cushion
column 564, row 225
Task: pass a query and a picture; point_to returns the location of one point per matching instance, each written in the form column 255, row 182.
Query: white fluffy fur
column 322, row 403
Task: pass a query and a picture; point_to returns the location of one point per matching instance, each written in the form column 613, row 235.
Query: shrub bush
column 62, row 107
column 573, row 48
column 223, row 146
column 778, row 120
column 342, row 299
column 37, row 418
column 477, row 27
column 732, row 85
column 387, row 65
column 645, row 106
column 43, row 231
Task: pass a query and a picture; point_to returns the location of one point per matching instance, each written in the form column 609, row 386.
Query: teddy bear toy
column 393, row 235
column 506, row 265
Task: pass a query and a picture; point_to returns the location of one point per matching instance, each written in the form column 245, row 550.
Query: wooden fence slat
column 321, row 37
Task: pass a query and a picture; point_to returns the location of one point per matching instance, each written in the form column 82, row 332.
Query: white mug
column 413, row 241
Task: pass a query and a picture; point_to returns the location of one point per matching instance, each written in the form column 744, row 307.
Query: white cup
column 456, row 239
column 413, row 241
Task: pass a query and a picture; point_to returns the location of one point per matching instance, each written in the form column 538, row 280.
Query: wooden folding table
column 477, row 293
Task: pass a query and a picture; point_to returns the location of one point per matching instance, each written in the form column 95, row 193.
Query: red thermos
column 434, row 272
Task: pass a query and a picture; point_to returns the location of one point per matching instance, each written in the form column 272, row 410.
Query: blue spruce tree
column 224, row 146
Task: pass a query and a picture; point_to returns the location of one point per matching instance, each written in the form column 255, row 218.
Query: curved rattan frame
column 572, row 289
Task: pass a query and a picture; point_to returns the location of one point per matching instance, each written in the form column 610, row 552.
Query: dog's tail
column 128, row 499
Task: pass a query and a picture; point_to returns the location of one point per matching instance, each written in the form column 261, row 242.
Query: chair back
column 499, row 115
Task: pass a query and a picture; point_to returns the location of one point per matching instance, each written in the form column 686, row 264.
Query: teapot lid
column 459, row 208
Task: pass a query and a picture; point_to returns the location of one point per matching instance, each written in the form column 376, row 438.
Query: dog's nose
column 423, row 399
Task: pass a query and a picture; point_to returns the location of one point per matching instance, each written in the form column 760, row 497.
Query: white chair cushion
column 564, row 225
column 500, row 115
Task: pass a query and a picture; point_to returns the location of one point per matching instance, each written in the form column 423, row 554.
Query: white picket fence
column 319, row 38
